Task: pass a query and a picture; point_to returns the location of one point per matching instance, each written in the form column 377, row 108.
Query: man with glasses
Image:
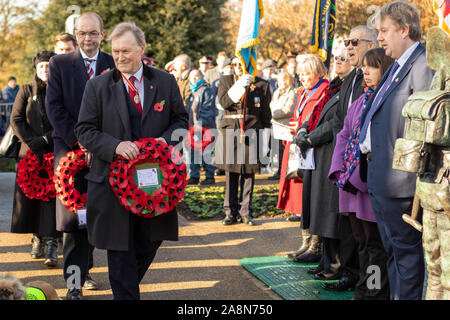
column 68, row 75
column 360, row 40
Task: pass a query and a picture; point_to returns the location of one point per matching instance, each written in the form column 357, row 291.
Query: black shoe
column 294, row 218
column 314, row 270
column 274, row 177
column 220, row 172
column 229, row 220
column 51, row 260
column 307, row 257
column 208, row 181
column 327, row 276
column 344, row 284
column 74, row 294
column 89, row 283
column 193, row 181
column 248, row 221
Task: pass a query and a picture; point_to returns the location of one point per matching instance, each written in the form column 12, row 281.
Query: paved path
column 202, row 265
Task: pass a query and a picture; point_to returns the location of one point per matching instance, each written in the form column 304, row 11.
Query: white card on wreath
column 81, row 214
column 308, row 162
column 147, row 177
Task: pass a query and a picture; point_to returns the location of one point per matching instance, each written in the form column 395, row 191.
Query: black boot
column 51, row 259
column 37, row 247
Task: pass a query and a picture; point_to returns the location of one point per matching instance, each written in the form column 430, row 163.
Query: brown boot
column 314, row 252
column 306, row 240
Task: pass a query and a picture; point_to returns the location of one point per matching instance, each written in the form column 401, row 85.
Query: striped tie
column 89, row 70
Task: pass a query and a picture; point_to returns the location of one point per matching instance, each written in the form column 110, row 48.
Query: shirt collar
column 405, row 56
column 138, row 74
column 86, row 57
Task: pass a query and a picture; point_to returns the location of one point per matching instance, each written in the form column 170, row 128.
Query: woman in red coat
column 311, row 72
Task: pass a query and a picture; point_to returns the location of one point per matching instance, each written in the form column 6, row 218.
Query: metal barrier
column 5, row 112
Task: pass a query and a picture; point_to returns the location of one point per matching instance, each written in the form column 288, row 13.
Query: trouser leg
column 76, row 255
column 231, row 202
column 247, row 185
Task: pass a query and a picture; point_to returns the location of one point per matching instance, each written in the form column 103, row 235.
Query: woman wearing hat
column 30, row 124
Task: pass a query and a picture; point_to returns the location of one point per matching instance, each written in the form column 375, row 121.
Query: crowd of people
column 349, row 115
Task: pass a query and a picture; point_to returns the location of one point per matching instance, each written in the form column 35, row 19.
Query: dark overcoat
column 230, row 154
column 103, row 123
column 320, row 200
column 67, row 79
column 29, row 121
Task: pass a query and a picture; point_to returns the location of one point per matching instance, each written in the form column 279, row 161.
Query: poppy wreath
column 163, row 200
column 207, row 139
column 30, row 178
column 64, row 180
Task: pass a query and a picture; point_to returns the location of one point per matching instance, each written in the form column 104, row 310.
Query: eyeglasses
column 354, row 42
column 343, row 59
column 92, row 34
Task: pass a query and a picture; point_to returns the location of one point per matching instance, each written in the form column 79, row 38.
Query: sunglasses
column 354, row 42
column 343, row 59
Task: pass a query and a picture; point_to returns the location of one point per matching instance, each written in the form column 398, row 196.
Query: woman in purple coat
column 353, row 193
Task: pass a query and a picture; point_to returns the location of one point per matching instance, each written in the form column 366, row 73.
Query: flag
column 323, row 29
column 442, row 9
column 248, row 37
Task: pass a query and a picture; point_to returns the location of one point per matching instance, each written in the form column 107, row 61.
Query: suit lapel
column 101, row 65
column 401, row 74
column 150, row 89
column 120, row 101
column 79, row 69
column 328, row 105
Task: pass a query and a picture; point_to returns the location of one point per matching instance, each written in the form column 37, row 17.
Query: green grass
column 207, row 202
column 6, row 165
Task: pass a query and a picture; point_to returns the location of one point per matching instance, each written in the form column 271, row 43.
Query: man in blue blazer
column 68, row 75
column 392, row 191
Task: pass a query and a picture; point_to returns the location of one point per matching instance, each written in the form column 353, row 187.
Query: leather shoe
column 89, row 283
column 314, row 270
column 248, row 221
column 294, row 218
column 344, row 284
column 193, row 181
column 229, row 220
column 307, row 257
column 74, row 294
column 326, row 276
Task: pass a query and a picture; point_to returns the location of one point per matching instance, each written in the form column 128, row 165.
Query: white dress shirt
column 139, row 86
column 365, row 145
column 93, row 63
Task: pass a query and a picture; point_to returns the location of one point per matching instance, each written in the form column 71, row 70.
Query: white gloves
column 238, row 89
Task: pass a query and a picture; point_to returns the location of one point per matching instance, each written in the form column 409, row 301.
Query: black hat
column 43, row 56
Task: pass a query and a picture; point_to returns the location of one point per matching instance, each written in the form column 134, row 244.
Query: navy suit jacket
column 387, row 125
column 66, row 82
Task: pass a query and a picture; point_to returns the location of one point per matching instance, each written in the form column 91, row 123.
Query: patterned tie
column 133, row 94
column 377, row 100
column 89, row 69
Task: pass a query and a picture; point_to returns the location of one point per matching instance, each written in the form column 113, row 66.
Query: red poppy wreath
column 64, row 180
column 162, row 200
column 35, row 180
column 193, row 141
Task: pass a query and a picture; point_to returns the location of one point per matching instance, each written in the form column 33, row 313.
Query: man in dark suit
column 392, row 191
column 68, row 76
column 361, row 39
column 110, row 119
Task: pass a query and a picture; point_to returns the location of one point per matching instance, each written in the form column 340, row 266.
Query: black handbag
column 10, row 145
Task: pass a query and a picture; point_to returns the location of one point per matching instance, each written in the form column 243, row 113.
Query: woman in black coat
column 30, row 124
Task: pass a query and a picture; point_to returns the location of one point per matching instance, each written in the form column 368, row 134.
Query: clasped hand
column 301, row 140
column 129, row 150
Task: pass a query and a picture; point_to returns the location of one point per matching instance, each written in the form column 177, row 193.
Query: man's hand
column 82, row 148
column 128, row 150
